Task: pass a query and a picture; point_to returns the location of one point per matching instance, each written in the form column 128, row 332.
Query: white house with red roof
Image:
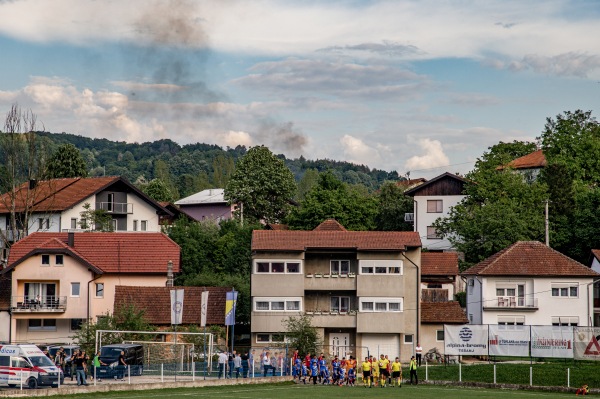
column 529, row 283
column 59, row 280
column 362, row 288
column 529, row 165
column 595, row 265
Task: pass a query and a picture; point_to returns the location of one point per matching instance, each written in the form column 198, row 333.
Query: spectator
column 237, row 364
column 222, row 362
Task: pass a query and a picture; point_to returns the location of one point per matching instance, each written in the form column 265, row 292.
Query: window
column 408, row 338
column 511, row 322
column 266, row 338
column 340, row 266
column 439, row 335
column 144, row 225
column 565, row 290
column 277, row 266
column 370, row 304
column 266, row 304
column 505, row 291
column 45, row 291
column 99, row 290
column 565, row 321
column 340, row 304
column 83, row 223
column 135, row 225
column 73, row 223
column 114, row 224
column 434, row 206
column 76, row 324
column 263, row 338
column 432, row 233
column 59, row 260
column 379, row 267
column 45, row 260
column 110, row 203
column 41, row 325
column 43, row 223
column 75, row 287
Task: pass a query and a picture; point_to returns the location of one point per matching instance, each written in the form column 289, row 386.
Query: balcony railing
column 27, row 304
column 115, row 207
column 512, row 302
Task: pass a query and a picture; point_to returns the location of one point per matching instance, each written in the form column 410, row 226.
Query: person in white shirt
column 222, row 362
column 419, row 352
column 266, row 361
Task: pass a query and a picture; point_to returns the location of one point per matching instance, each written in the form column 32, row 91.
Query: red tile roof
column 330, row 225
column 408, row 184
column 109, row 252
column 596, row 254
column 439, row 263
column 156, row 303
column 530, row 258
column 534, row 160
column 443, row 312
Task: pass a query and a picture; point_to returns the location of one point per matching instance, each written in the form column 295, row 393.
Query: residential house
column 361, row 287
column 432, row 200
column 528, row 165
column 433, row 317
column 529, row 283
column 56, row 205
column 59, row 280
column 156, row 303
column 595, row 265
column 4, row 308
column 439, row 276
column 208, row 204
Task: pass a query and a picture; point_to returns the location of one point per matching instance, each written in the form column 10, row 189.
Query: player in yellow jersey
column 397, row 373
column 374, row 371
column 366, row 372
column 383, row 369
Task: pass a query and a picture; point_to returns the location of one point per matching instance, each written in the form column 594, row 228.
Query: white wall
column 142, row 211
column 75, row 212
column 424, row 219
column 474, row 302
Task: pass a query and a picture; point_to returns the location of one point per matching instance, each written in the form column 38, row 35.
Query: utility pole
column 547, row 225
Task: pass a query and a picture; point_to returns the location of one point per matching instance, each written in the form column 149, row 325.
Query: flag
column 230, row 301
column 204, row 309
column 176, row 306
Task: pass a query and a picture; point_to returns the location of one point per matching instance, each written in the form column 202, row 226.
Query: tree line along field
column 294, row 391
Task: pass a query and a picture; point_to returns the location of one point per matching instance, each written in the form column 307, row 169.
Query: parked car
column 134, row 357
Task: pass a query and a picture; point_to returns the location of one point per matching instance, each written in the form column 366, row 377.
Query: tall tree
column 302, row 334
column 352, row 206
column 262, row 185
column 223, row 167
column 393, row 204
column 308, row 181
column 67, row 161
column 158, row 191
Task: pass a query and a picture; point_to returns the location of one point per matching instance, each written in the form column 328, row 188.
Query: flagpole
column 233, row 324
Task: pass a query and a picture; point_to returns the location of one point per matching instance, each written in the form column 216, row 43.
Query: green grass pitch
column 293, row 391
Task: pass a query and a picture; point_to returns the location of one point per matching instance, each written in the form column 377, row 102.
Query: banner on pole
column 587, row 343
column 230, row 302
column 204, row 309
column 505, row 342
column 176, row 306
column 552, row 341
column 466, row 340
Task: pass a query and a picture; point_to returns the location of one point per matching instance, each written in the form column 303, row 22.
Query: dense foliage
column 65, row 162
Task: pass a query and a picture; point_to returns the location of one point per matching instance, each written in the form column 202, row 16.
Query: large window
column 340, row 266
column 381, row 267
column 432, row 233
column 340, row 304
column 511, row 322
column 267, row 338
column 565, row 290
column 41, row 325
column 434, row 206
column 277, row 266
column 374, row 304
column 565, row 321
column 41, row 292
column 277, row 304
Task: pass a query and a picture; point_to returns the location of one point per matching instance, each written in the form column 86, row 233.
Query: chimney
column 71, row 239
column 32, row 184
column 170, row 273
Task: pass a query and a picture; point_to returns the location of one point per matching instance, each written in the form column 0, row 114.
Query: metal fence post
column 530, row 375
column 129, row 373
column 494, row 373
column 426, row 370
column 459, row 372
column 162, row 374
column 568, row 378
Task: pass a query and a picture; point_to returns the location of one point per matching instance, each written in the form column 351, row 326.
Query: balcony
column 434, row 295
column 47, row 304
column 115, row 208
column 330, row 282
column 511, row 303
column 333, row 319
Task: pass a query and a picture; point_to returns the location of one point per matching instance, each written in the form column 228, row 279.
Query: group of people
column 229, row 362
column 78, row 364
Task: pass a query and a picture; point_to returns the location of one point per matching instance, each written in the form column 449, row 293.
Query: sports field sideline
column 294, row 391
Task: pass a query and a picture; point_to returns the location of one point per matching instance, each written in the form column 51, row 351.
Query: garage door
column 378, row 344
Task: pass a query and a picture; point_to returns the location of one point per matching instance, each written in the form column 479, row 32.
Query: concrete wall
column 424, row 218
column 209, row 211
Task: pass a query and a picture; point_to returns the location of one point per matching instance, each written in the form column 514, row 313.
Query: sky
column 420, row 87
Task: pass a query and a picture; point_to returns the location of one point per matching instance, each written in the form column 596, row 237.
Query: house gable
column 445, row 184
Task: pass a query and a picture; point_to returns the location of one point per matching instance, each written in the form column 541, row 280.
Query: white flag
column 204, row 309
column 176, row 306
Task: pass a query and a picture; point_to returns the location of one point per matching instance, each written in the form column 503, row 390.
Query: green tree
column 95, row 219
column 302, row 334
column 67, row 161
column 223, row 167
column 352, row 206
column 158, row 191
column 309, row 180
column 393, row 204
column 263, row 185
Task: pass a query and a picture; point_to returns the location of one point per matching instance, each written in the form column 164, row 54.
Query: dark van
column 134, row 357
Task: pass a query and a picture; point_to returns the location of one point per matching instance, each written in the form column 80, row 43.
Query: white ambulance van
column 27, row 365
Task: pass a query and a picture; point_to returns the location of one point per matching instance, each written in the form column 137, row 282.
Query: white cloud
column 433, row 156
column 233, row 139
column 357, row 151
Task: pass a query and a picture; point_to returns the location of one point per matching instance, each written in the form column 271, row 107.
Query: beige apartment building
column 362, row 288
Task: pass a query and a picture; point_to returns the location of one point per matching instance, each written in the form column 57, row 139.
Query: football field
column 293, row 391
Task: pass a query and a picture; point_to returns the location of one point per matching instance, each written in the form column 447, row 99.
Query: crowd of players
column 375, row 372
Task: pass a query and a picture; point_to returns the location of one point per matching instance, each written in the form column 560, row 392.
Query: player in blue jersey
column 314, row 369
column 351, row 376
column 335, row 367
column 342, row 376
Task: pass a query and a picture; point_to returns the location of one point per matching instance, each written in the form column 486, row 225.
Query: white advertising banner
column 466, row 340
column 176, row 306
column 552, row 341
column 587, row 343
column 505, row 342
